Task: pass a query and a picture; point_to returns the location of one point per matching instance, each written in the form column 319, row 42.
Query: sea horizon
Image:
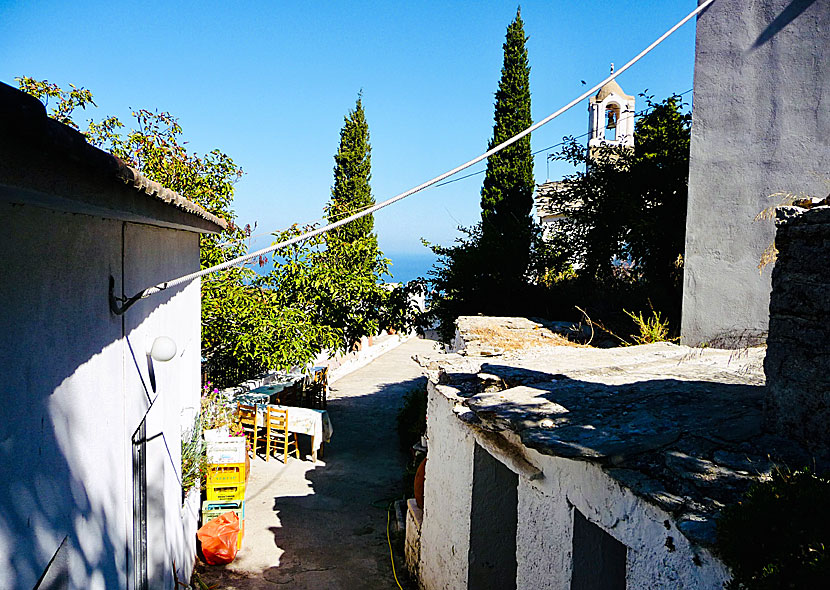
column 404, row 267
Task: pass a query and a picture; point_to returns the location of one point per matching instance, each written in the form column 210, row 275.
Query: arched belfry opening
column 611, row 117
column 612, row 120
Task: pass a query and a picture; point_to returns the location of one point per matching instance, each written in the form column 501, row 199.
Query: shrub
column 779, row 535
column 412, row 417
column 652, row 329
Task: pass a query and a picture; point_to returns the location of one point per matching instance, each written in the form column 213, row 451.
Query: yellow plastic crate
column 226, row 493
column 224, row 474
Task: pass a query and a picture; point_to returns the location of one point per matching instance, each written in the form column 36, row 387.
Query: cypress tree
column 352, row 171
column 507, row 193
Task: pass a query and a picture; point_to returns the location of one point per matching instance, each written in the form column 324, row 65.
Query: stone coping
column 681, row 427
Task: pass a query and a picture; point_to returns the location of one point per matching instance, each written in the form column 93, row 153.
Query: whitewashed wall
column 548, row 491
column 73, row 392
column 445, row 532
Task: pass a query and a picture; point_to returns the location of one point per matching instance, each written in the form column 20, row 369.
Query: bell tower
column 611, row 117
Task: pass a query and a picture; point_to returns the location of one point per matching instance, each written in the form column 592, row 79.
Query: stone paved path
column 314, row 526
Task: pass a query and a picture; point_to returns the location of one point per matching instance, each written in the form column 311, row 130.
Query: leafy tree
column 625, row 224
column 352, row 250
column 243, row 331
column 507, row 193
column 627, row 210
column 318, row 277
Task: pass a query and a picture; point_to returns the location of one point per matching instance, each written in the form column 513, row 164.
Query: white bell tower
column 611, row 117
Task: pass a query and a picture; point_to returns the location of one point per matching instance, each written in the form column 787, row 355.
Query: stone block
column 412, row 546
column 797, row 363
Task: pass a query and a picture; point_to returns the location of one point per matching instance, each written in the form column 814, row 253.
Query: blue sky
column 270, row 82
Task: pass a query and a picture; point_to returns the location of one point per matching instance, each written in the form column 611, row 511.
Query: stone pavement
column 317, row 526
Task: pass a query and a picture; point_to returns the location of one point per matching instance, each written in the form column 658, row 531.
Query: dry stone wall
column 797, row 364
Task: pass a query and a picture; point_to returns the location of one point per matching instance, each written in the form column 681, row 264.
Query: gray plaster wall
column 760, row 125
column 74, row 384
column 797, row 363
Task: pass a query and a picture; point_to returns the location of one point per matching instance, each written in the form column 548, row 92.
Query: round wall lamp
column 163, row 349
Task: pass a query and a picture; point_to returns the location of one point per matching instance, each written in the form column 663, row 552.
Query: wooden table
column 315, row 423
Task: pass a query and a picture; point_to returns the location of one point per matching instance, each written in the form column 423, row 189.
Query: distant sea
column 405, row 266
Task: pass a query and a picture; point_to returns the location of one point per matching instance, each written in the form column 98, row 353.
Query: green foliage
column 332, row 283
column 630, row 206
column 652, row 328
column 67, row 100
column 624, row 232
column 507, row 191
column 412, row 417
column 493, row 264
column 458, row 281
column 194, row 456
column 400, row 312
column 352, row 172
column 317, row 296
column 779, row 535
column 463, row 279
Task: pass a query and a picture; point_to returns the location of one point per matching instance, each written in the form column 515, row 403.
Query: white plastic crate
column 229, row 450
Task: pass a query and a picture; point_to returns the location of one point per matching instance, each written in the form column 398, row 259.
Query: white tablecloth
column 307, row 421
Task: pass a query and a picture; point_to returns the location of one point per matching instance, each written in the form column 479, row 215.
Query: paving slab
column 323, row 525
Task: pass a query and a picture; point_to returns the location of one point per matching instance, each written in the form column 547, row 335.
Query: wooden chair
column 250, row 423
column 317, row 383
column 276, row 435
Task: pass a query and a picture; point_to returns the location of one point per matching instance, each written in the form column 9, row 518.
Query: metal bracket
column 125, row 303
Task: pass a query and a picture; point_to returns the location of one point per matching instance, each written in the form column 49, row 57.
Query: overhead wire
column 125, row 303
column 546, row 149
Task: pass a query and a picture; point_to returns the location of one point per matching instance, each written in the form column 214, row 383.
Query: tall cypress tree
column 352, row 171
column 507, row 194
column 354, row 305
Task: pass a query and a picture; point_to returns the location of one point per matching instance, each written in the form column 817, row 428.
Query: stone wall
column 798, row 354
column 761, row 124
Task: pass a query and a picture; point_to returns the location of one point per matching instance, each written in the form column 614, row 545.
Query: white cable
column 162, row 286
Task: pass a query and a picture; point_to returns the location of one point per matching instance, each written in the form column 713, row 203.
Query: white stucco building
column 611, row 124
column 90, row 433
column 611, row 117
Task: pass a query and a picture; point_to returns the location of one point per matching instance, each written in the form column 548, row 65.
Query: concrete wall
column 797, row 363
column 74, row 385
column 761, row 124
column 550, row 489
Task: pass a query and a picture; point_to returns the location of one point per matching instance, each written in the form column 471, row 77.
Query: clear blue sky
column 270, row 82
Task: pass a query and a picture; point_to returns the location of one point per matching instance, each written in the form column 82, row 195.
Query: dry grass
column 508, row 339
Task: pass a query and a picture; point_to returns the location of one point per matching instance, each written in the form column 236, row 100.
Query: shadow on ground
column 329, row 527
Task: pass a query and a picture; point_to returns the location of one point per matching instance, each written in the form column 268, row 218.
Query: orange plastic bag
column 218, row 538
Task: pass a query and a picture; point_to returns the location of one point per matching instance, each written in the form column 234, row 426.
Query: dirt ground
column 323, row 526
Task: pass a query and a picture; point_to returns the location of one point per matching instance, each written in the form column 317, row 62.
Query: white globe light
column 163, row 349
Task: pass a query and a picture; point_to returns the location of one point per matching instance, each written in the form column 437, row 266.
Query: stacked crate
column 228, row 470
